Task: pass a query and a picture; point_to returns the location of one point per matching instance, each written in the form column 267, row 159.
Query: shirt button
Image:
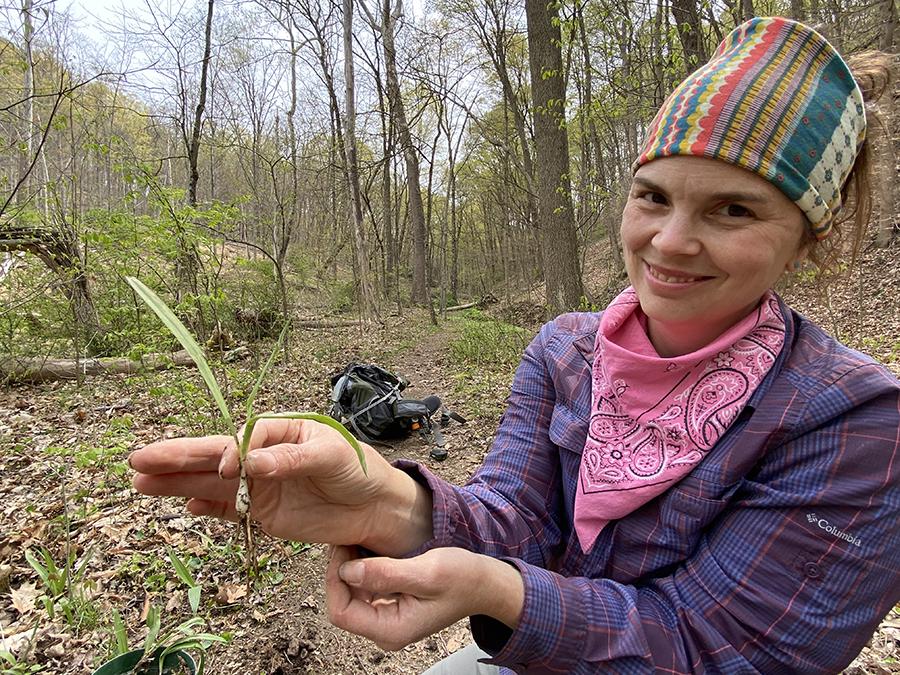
column 812, row 570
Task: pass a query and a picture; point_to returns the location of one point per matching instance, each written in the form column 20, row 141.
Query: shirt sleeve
column 792, row 578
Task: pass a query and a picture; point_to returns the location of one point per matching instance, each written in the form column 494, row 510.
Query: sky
column 105, row 9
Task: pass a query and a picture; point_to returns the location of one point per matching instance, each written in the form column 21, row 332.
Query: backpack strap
column 351, row 419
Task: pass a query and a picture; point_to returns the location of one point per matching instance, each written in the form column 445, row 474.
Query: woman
column 697, row 479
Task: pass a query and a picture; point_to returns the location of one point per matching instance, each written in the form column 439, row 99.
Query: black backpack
column 368, row 399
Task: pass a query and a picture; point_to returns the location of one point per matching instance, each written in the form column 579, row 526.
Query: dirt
column 65, row 485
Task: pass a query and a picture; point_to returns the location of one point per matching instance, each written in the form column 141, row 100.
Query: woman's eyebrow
column 729, row 196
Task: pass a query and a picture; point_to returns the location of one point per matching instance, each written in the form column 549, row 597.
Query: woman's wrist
column 402, row 518
column 500, row 592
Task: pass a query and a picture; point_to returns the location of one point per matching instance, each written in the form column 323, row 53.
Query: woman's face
column 703, row 240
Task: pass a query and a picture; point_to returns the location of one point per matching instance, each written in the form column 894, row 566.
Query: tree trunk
column 886, row 171
column 187, row 264
column 25, row 159
column 194, row 148
column 562, row 277
column 687, row 22
column 389, row 18
column 368, row 308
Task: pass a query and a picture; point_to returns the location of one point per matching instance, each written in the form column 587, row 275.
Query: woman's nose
column 677, row 234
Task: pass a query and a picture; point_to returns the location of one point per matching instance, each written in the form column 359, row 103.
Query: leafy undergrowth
column 68, row 499
column 68, row 505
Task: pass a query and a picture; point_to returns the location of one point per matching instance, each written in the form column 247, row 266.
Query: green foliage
column 11, row 665
column 65, row 587
column 150, row 569
column 485, row 353
column 194, row 589
column 107, row 454
column 483, row 341
column 341, row 295
column 183, row 335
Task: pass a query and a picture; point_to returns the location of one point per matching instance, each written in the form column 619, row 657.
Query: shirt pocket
column 567, row 429
column 666, row 531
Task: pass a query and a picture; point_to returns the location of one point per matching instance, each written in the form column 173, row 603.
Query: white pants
column 463, row 662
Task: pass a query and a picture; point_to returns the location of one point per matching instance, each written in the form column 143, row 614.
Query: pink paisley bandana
column 653, row 419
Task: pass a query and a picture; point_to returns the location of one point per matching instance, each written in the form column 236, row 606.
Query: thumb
column 284, row 461
column 385, row 575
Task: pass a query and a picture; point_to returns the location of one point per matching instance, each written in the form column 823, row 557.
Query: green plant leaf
column 265, row 369
column 82, row 568
column 180, row 568
column 37, row 567
column 194, row 598
column 183, row 335
column 120, row 633
column 324, row 419
column 153, row 626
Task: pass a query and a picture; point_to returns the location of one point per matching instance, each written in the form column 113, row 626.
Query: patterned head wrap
column 776, row 99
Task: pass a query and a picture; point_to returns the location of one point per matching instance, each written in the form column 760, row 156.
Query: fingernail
column 261, row 463
column 130, row 466
column 351, row 572
column 222, row 466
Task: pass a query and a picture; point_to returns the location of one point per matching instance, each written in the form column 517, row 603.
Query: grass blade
column 153, row 629
column 42, row 571
column 181, row 569
column 265, row 369
column 324, row 419
column 194, row 598
column 120, row 633
column 183, row 335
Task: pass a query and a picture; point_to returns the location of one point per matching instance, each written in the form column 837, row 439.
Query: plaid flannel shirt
column 778, row 553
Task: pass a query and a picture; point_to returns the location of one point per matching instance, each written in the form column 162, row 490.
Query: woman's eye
column 654, row 197
column 736, row 211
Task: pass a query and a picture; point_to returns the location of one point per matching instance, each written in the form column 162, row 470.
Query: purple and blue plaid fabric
column 779, row 553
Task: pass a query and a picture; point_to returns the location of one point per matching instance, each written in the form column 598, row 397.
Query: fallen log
column 456, row 308
column 481, row 303
column 40, row 369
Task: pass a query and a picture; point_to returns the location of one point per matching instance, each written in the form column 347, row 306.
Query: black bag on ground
column 368, row 399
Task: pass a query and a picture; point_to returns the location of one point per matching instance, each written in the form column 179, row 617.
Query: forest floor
column 66, row 486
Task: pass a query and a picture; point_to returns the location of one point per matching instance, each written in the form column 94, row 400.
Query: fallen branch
column 456, row 308
column 39, row 369
column 481, row 303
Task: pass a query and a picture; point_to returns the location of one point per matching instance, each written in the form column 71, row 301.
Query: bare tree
column 366, row 294
column 562, row 276
column 391, row 11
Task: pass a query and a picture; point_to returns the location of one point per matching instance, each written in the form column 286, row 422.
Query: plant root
column 242, row 506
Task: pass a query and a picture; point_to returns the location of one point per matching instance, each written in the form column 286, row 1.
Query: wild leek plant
column 242, row 499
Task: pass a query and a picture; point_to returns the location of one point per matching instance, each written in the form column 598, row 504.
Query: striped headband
column 776, row 99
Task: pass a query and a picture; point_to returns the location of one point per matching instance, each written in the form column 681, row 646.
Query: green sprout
column 242, row 499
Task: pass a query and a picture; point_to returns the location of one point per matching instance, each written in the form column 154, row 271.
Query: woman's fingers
column 338, row 594
column 204, row 507
column 206, row 485
column 388, row 576
column 180, row 455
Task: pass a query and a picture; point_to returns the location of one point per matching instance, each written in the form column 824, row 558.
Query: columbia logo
column 833, row 530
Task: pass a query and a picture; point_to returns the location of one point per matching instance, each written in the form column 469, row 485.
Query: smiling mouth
column 672, row 277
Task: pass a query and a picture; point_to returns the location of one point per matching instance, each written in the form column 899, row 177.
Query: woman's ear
column 794, row 264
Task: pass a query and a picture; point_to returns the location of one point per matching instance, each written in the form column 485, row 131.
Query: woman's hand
column 396, row 602
column 306, row 484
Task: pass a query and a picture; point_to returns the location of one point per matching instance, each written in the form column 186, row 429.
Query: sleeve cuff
column 551, row 631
